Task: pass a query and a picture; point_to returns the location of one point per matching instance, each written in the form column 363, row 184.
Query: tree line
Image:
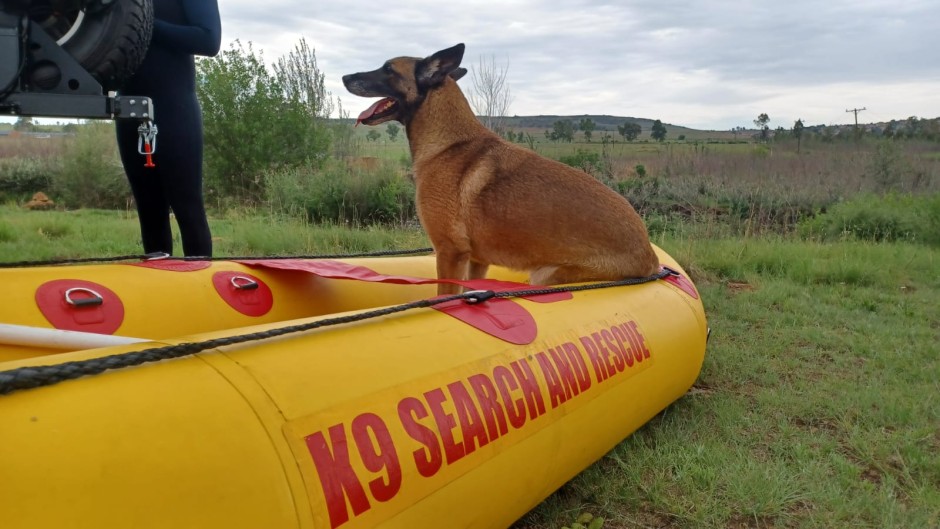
column 910, row 128
column 564, row 130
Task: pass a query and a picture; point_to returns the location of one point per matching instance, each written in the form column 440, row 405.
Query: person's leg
column 181, row 159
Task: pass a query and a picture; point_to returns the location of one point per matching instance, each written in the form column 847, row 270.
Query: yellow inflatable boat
column 317, row 393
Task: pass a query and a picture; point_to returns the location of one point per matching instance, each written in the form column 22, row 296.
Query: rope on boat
column 158, row 256
column 39, row 376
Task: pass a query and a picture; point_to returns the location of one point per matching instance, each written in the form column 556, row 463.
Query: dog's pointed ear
column 458, row 73
column 431, row 71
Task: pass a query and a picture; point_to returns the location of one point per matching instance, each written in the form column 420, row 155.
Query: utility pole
column 856, row 111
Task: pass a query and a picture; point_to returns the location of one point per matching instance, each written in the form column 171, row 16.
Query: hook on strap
column 147, row 141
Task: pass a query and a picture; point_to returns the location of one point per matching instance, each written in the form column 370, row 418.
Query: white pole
column 58, row 339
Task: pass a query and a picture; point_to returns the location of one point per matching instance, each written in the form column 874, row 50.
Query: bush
column 340, row 194
column 587, row 161
column 53, row 229
column 761, row 151
column 892, row 217
column 7, row 233
column 642, row 192
column 888, row 167
column 91, row 175
column 20, row 178
column 257, row 121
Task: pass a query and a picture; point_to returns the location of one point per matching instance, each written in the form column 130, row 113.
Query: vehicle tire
column 107, row 37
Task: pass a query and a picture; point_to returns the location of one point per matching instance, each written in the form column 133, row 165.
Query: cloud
column 714, row 64
column 705, row 64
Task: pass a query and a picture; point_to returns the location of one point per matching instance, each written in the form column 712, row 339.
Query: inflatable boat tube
column 305, row 396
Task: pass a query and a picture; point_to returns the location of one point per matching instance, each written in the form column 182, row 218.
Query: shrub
column 7, row 233
column 587, row 161
column 892, row 217
column 53, row 229
column 761, row 151
column 91, row 174
column 21, row 177
column 640, row 190
column 256, row 120
column 340, row 194
column 932, row 221
column 887, row 166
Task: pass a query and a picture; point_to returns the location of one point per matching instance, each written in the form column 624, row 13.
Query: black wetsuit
column 182, row 29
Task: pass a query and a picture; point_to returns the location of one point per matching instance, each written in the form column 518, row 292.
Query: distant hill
column 923, row 127
column 537, row 125
column 605, row 123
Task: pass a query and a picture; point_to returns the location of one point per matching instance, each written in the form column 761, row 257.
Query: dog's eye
column 387, row 68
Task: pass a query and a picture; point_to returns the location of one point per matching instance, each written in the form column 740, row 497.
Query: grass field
column 818, row 405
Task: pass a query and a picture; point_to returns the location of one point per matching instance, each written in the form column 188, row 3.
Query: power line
column 856, row 111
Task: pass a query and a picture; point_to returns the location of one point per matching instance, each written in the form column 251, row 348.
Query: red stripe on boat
column 499, row 317
column 682, row 283
column 173, row 265
column 340, row 270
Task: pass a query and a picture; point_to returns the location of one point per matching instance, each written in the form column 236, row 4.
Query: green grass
column 818, row 405
column 395, row 150
column 41, row 235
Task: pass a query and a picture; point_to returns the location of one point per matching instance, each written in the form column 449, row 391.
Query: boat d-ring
column 95, row 300
column 244, row 283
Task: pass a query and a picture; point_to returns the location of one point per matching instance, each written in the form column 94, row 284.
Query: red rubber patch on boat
column 500, row 317
column 174, row 265
column 76, row 305
column 341, row 270
column 682, row 283
column 244, row 292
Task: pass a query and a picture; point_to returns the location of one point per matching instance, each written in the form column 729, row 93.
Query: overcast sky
column 706, row 64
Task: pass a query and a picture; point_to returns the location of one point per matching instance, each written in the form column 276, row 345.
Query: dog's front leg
column 451, row 265
column 477, row 270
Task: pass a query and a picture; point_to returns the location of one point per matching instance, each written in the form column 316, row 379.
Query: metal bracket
column 52, row 83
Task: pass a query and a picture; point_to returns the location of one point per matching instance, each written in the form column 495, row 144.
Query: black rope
column 26, row 264
column 39, row 376
column 380, row 253
column 155, row 257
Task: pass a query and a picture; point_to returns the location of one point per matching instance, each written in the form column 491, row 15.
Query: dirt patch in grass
column 753, row 522
column 815, row 425
column 647, row 519
column 736, row 287
column 872, row 475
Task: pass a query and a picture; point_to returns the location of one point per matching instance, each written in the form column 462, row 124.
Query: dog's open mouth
column 384, row 108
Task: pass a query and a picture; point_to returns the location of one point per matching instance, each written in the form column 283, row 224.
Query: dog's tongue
column 367, row 113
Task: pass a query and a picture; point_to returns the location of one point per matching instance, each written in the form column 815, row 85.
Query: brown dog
column 486, row 201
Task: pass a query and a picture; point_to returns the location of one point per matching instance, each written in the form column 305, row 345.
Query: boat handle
column 244, row 283
column 96, row 298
